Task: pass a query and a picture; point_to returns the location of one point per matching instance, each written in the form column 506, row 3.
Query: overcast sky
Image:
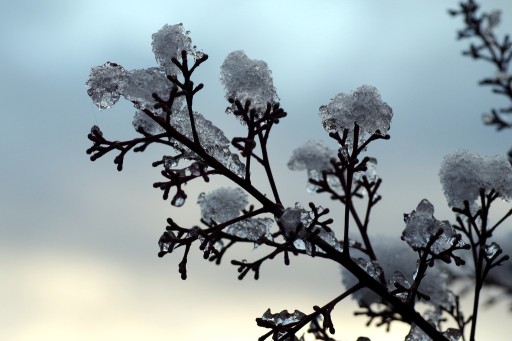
column 78, row 239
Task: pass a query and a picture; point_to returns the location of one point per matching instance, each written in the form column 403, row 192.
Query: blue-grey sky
column 78, row 239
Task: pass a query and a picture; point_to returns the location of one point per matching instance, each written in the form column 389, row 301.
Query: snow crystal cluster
column 244, row 78
column 315, row 157
column 363, row 106
column 224, row 204
column 168, row 42
column 295, row 220
column 397, row 263
column 420, row 225
column 283, row 318
column 463, row 173
column 108, row 82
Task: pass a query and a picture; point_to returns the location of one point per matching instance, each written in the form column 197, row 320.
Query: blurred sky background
column 78, row 243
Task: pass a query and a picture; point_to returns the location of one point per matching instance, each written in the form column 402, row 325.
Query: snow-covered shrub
column 387, row 278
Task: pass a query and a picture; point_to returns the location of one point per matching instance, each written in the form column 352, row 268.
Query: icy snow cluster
column 295, row 220
column 108, row 82
column 421, row 224
column 398, row 263
column 168, row 42
column 283, row 318
column 315, row 156
column 244, row 78
column 224, row 204
column 363, row 106
column 463, row 173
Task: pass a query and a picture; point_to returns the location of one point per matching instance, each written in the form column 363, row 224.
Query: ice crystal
column 363, row 106
column 141, row 84
column 399, row 278
column 168, row 43
column 142, row 122
column 421, row 226
column 463, row 173
column 179, row 199
column 502, row 276
column 312, row 155
column 212, row 139
column 370, row 172
column 104, row 84
column 222, row 204
column 492, row 250
column 372, row 268
column 296, row 221
column 244, row 78
column 254, row 229
column 283, row 318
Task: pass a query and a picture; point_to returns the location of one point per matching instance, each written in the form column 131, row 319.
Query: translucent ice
column 141, row 84
column 104, row 84
column 283, row 318
column 295, row 220
column 399, row 278
column 491, row 250
column 313, row 155
column 372, row 268
column 141, row 121
column 222, row 204
column 421, row 225
column 244, row 78
column 168, row 42
column 463, row 173
column 254, row 229
column 211, row 138
column 363, row 106
column 370, row 172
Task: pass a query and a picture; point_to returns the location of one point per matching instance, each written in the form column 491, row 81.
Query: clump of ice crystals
column 168, row 42
column 283, row 318
column 372, row 268
column 105, row 83
column 420, row 225
column 222, row 204
column 211, row 138
column 295, row 220
column 225, row 204
column 463, row 173
column 313, row 156
column 363, row 106
column 399, row 278
column 394, row 257
column 244, row 78
column 253, row 229
column 370, row 172
column 141, row 84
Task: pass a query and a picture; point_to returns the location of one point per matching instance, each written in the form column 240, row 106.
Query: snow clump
column 363, row 106
column 244, row 78
column 463, row 173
